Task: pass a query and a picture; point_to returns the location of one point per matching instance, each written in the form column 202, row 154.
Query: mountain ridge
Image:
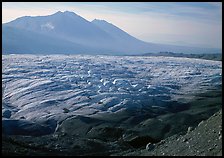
column 99, row 36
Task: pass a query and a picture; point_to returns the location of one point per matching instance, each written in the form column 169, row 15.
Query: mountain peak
column 99, row 21
column 59, row 12
column 64, row 13
column 69, row 13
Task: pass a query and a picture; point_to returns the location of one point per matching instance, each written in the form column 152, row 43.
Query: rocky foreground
column 204, row 140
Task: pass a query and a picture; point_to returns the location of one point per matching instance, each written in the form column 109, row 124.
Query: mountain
column 69, row 33
column 123, row 41
column 16, row 40
column 115, row 32
column 135, row 44
column 67, row 26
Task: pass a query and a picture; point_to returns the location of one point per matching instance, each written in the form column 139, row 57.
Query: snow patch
column 48, row 26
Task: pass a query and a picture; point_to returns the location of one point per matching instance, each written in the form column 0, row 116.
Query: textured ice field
column 36, row 87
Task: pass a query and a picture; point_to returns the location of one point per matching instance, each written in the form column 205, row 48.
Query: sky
column 179, row 23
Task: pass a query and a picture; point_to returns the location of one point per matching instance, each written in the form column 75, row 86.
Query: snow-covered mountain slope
column 52, row 88
column 102, row 37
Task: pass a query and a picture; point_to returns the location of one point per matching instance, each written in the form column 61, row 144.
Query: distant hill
column 216, row 56
column 69, row 33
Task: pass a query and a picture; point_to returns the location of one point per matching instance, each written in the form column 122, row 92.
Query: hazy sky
column 179, row 23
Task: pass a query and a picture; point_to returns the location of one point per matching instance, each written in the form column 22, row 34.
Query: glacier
column 44, row 90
